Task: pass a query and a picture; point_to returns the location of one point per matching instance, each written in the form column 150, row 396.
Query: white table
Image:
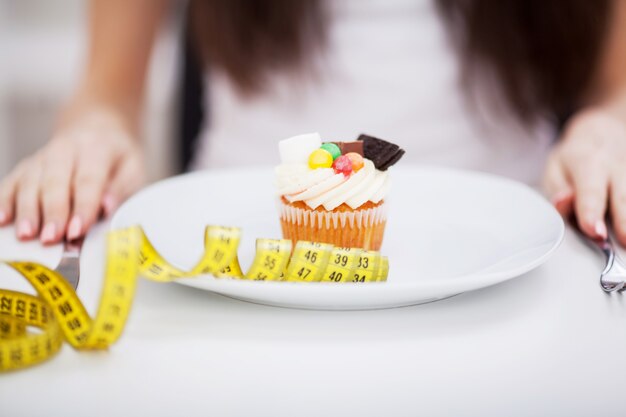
column 549, row 343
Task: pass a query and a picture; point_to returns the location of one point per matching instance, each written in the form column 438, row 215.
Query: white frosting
column 368, row 192
column 382, row 191
column 322, row 187
column 317, row 190
column 293, row 179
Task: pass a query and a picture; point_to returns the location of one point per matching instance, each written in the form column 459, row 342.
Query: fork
column 69, row 266
column 613, row 276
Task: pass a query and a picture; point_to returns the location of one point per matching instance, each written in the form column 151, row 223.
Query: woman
column 390, row 68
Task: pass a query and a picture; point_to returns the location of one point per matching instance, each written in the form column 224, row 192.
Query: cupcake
column 334, row 192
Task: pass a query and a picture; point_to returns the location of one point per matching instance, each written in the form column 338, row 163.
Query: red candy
column 343, row 165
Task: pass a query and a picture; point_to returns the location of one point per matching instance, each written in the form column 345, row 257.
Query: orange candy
column 357, row 160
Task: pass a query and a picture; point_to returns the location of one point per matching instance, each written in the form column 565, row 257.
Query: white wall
column 42, row 47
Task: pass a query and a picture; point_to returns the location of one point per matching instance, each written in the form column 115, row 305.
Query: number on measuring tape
column 341, row 265
column 367, row 267
column 220, row 245
column 308, row 262
column 271, row 259
column 335, row 276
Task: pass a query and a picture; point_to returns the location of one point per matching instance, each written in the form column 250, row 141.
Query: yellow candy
column 320, row 158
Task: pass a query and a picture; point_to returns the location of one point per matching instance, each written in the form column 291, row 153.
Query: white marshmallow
column 298, row 148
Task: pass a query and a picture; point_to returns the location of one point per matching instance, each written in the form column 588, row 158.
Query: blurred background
column 42, row 50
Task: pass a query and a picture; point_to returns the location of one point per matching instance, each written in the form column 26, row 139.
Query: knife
column 69, row 266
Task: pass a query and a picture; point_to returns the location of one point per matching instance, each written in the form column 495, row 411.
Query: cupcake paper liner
column 360, row 228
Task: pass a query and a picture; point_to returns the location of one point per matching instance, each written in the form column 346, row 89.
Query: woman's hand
column 90, row 166
column 586, row 172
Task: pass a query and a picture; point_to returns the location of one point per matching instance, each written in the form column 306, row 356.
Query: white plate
column 448, row 232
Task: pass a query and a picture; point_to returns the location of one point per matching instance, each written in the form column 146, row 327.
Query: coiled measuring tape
column 60, row 315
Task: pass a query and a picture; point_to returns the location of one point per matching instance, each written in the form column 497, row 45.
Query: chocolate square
column 382, row 153
column 395, row 158
column 354, row 146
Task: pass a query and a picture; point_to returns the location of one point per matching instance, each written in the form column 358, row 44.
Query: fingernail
column 48, row 234
column 3, row 217
column 75, row 228
column 24, row 229
column 108, row 204
column 600, row 229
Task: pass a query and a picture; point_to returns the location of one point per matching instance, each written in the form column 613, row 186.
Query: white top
column 389, row 71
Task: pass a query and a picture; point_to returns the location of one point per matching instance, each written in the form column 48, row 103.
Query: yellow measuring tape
column 60, row 315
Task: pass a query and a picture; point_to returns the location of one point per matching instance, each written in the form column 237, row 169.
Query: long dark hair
column 543, row 53
column 248, row 39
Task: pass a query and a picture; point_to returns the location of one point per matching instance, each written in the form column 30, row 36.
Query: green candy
column 332, row 149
